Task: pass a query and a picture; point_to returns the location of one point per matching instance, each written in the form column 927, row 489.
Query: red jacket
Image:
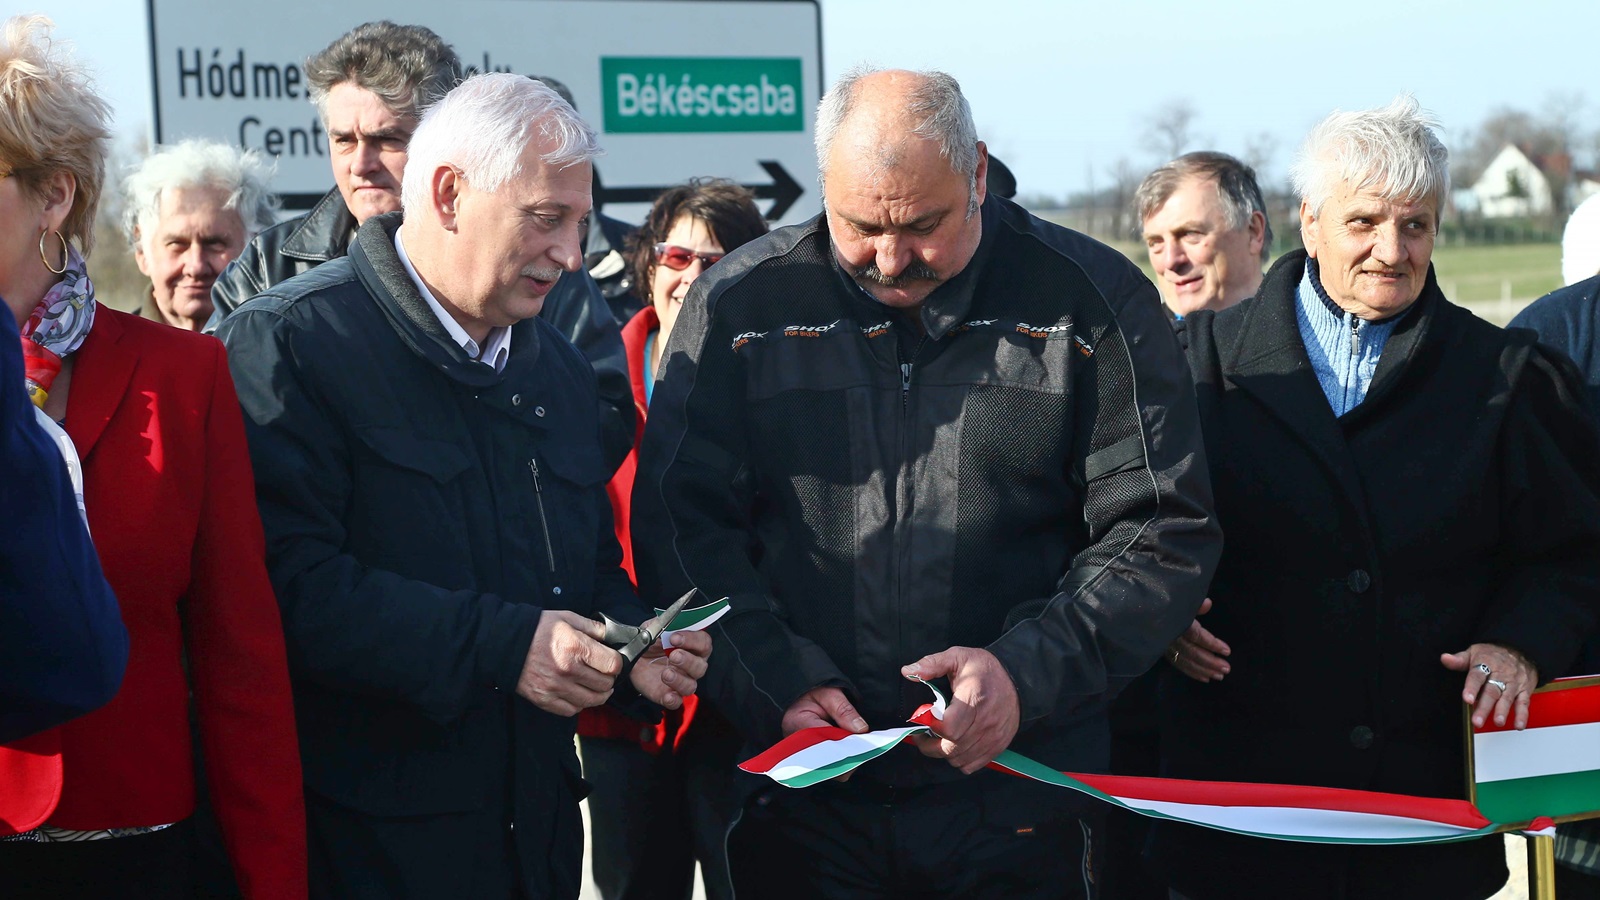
column 604, row 721
column 172, row 513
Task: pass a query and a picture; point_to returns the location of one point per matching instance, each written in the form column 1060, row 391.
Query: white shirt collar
column 495, row 350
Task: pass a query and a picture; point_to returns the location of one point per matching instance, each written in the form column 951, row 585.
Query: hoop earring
column 46, row 259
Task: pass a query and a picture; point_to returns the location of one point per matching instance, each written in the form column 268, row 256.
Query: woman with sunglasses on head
column 649, row 778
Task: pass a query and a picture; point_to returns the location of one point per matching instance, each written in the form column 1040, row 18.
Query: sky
column 1063, row 90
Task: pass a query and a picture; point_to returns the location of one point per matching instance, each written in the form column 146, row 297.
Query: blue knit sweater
column 1344, row 350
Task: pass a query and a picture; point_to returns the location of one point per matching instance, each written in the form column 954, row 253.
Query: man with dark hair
column 1206, row 230
column 924, row 435
column 370, row 87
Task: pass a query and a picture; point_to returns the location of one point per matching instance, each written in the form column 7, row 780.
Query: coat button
column 1361, row 737
column 538, row 411
column 1359, row 581
column 516, row 399
column 556, row 590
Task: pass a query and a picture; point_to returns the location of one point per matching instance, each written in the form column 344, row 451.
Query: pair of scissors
column 632, row 641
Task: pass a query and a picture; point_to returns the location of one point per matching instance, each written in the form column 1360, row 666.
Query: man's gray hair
column 407, row 66
column 244, row 176
column 937, row 108
column 1235, row 182
column 1393, row 149
column 482, row 128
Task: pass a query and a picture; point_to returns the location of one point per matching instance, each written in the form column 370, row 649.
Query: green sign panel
column 654, row 94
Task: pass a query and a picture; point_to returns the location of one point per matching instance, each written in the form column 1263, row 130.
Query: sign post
column 676, row 88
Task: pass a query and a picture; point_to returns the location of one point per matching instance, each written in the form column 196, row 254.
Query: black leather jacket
column 1024, row 473
column 575, row 306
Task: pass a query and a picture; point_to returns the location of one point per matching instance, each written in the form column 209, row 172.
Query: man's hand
column 567, row 668
column 1488, row 666
column 984, row 711
column 665, row 678
column 822, row 706
column 1198, row 653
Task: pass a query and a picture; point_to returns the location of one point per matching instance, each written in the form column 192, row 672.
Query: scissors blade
column 647, row 635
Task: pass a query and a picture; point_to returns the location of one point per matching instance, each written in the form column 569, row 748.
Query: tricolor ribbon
column 698, row 618
column 1276, row 811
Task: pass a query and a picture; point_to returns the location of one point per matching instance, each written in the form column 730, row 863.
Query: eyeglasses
column 679, row 258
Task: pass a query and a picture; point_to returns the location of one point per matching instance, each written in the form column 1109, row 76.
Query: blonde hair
column 51, row 120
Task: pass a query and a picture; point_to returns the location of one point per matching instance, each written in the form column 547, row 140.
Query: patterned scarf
column 57, row 327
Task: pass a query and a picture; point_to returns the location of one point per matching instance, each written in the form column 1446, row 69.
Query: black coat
column 1457, row 504
column 421, row 510
column 1025, row 476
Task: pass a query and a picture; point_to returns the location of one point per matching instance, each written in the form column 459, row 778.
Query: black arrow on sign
column 783, row 191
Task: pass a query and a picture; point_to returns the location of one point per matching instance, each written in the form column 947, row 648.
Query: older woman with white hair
column 190, row 208
column 169, row 498
column 1411, row 501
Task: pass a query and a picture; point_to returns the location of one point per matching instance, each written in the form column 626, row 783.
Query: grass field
column 1496, row 281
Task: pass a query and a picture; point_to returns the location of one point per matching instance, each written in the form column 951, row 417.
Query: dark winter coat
column 1459, row 503
column 421, row 510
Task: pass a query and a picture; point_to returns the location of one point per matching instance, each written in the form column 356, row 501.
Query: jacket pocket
column 439, row 460
column 408, row 510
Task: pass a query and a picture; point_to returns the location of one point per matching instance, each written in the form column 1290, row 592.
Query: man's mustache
column 917, row 271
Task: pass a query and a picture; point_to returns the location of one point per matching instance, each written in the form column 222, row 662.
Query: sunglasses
column 679, row 258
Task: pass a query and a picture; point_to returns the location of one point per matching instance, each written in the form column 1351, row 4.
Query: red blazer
column 604, row 721
column 172, row 513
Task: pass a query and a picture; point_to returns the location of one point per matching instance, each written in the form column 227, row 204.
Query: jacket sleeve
column 350, row 626
column 244, row 278
column 236, row 662
column 1549, row 598
column 692, row 526
column 579, row 311
column 63, row 647
column 1152, row 542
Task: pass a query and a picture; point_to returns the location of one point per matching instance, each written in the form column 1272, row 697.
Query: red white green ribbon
column 698, row 618
column 1280, row 812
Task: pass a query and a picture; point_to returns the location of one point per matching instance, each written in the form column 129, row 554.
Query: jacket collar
column 100, row 374
column 385, row 278
column 638, row 329
column 1269, row 362
column 324, row 233
column 949, row 304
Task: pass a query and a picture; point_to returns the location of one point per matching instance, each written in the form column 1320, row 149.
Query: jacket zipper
column 1355, row 336
column 544, row 523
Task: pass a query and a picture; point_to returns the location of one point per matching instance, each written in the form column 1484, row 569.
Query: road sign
column 677, row 88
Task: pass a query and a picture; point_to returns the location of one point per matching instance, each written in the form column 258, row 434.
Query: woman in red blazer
column 151, row 414
column 649, row 779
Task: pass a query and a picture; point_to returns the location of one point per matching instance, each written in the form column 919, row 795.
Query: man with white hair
column 962, row 446
column 189, row 209
column 1412, row 504
column 428, row 466
column 371, row 86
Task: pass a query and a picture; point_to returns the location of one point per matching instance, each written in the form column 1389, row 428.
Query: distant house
column 1512, row 185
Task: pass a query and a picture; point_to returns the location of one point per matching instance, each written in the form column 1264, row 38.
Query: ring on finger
column 1499, row 684
column 1175, row 654
column 1484, row 668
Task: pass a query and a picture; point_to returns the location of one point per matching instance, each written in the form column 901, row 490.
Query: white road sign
column 676, row 88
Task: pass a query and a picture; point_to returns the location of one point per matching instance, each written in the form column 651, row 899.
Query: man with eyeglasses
column 370, row 87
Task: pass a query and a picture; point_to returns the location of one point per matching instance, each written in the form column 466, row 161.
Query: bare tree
column 1119, row 197
column 1170, row 129
column 1258, row 154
